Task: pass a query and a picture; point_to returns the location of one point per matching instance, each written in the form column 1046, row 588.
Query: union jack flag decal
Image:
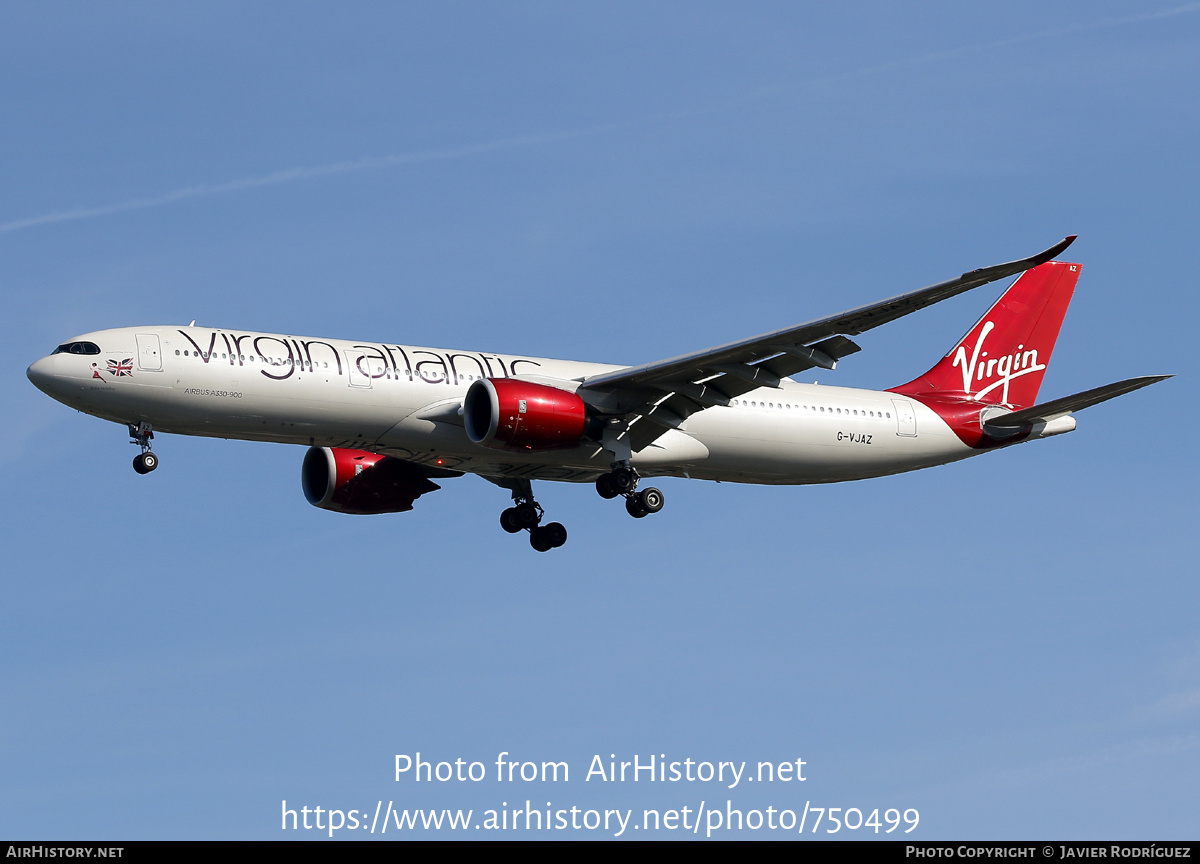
column 121, row 368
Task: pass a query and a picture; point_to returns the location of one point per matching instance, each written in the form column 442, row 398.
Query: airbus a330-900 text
column 382, row 421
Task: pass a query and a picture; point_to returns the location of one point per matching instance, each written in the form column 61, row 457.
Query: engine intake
column 508, row 414
column 355, row 481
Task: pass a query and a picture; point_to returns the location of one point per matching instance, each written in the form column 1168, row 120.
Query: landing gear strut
column 623, row 480
column 141, row 435
column 526, row 515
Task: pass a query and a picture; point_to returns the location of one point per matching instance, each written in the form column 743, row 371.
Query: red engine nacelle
column 355, row 481
column 519, row 415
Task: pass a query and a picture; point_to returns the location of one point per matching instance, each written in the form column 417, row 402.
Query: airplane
column 382, row 421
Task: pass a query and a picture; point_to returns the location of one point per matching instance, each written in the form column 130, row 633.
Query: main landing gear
column 141, row 435
column 526, row 515
column 623, row 480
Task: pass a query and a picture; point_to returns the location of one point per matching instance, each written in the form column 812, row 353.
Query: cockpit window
column 77, row 348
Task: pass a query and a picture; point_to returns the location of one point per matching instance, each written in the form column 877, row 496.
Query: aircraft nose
column 41, row 373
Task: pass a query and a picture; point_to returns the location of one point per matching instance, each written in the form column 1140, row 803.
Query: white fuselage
column 403, row 401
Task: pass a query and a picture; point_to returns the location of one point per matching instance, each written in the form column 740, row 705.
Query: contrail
column 926, row 59
column 287, row 175
column 1103, row 23
column 372, row 162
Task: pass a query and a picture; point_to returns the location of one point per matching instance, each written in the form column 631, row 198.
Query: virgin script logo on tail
column 982, row 369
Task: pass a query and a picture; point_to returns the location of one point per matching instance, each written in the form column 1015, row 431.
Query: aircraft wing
column 667, row 391
column 1056, row 408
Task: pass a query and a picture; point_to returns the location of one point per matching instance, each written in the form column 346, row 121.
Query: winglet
column 1012, row 267
column 1066, row 241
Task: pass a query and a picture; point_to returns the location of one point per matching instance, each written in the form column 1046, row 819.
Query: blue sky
column 1008, row 645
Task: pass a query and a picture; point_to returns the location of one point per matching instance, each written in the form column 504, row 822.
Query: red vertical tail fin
column 1004, row 356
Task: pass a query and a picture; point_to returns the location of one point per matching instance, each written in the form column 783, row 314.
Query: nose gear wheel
column 141, row 435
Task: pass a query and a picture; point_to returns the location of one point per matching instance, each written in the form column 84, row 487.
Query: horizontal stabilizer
column 1056, row 408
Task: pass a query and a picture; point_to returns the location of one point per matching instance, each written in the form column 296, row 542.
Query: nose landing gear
column 141, row 435
column 623, row 480
column 526, row 515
